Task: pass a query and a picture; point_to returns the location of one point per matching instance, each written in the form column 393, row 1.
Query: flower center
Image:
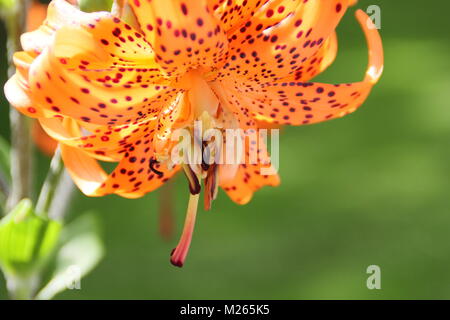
column 201, row 96
column 205, row 108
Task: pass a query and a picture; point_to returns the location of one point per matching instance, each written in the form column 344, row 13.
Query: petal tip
column 374, row 42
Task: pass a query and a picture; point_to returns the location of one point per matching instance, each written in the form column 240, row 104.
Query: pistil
column 180, row 252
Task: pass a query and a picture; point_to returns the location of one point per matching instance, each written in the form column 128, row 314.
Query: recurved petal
column 255, row 172
column 132, row 178
column 273, row 45
column 318, row 62
column 85, row 171
column 184, row 34
column 104, row 143
column 17, row 94
column 16, row 89
column 296, row 103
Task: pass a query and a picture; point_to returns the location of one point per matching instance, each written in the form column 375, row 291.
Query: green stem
column 20, row 288
column 65, row 191
column 4, row 186
column 21, row 147
column 50, row 185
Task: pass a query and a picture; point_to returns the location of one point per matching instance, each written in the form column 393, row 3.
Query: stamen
column 179, row 254
column 211, row 187
column 153, row 161
column 205, row 159
column 205, row 166
column 194, row 183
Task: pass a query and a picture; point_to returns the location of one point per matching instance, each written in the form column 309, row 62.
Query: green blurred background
column 372, row 188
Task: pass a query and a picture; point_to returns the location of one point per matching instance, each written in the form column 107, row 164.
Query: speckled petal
column 104, row 143
column 293, row 102
column 132, row 178
column 251, row 175
column 184, row 34
column 274, row 45
column 233, row 14
column 87, row 76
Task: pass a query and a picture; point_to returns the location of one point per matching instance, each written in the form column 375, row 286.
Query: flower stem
column 50, row 184
column 22, row 288
column 21, row 147
column 4, row 186
column 60, row 203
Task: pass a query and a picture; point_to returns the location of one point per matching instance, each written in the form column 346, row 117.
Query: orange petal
column 183, row 34
column 132, row 178
column 318, row 62
column 247, row 181
column 296, row 103
column 16, row 89
column 44, row 142
column 234, row 114
column 268, row 50
column 269, row 15
column 94, row 68
column 177, row 115
column 85, row 171
column 233, row 14
column 103, row 143
column 85, row 78
column 252, row 174
column 18, row 95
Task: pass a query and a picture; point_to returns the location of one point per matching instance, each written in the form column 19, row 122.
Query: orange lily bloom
column 113, row 87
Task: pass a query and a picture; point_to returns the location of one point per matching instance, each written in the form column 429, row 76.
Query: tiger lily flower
column 114, row 86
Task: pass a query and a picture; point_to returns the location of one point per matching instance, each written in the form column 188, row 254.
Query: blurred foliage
column 80, row 250
column 4, row 157
column 371, row 188
column 5, row 177
column 6, row 5
column 95, row 5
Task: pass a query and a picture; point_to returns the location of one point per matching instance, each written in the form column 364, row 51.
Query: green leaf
column 95, row 5
column 80, row 251
column 26, row 240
